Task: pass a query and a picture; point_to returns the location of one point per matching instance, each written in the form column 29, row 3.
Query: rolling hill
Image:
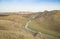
column 47, row 22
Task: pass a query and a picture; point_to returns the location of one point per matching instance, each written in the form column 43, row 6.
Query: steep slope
column 48, row 23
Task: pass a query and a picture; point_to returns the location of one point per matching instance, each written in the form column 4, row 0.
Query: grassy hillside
column 49, row 23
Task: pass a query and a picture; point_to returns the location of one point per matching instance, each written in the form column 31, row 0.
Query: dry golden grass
column 9, row 25
column 12, row 27
column 10, row 35
column 10, row 30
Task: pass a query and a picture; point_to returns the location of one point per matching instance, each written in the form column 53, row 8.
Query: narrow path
column 26, row 27
column 43, row 35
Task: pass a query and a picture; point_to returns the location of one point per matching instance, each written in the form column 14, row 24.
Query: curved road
column 26, row 26
column 42, row 35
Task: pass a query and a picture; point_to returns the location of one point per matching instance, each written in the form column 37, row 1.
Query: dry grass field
column 12, row 25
